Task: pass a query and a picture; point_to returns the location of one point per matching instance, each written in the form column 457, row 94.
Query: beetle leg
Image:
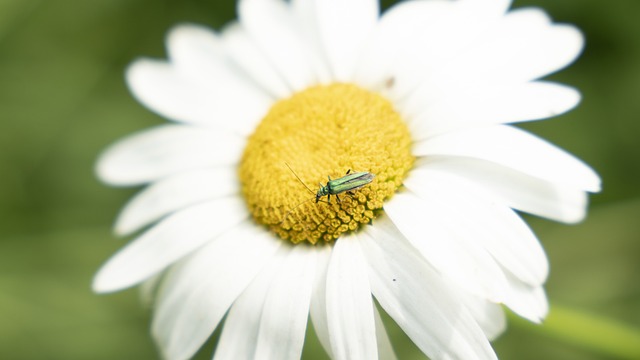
column 338, row 198
column 348, row 171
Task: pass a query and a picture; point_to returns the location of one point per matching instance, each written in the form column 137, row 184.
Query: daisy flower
column 296, row 92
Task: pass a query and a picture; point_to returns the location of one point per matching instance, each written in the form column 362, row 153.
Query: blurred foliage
column 63, row 99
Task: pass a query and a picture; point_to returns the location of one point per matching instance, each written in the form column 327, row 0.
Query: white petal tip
column 596, row 185
column 141, row 73
column 137, row 69
column 576, row 219
column 101, row 171
column 537, row 317
column 573, row 98
column 123, row 227
column 107, row 280
column 120, row 230
column 538, row 320
column 182, row 36
column 560, row 98
column 572, row 38
column 592, row 182
column 106, row 171
column 186, row 29
column 102, row 285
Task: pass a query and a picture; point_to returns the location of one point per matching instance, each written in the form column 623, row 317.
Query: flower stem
column 587, row 330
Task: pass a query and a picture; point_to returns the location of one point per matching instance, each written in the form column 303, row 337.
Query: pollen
column 319, row 133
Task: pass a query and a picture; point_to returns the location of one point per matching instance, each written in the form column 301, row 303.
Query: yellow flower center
column 321, row 132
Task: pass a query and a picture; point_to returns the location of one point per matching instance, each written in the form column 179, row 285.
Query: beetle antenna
column 295, row 207
column 298, row 205
column 301, row 182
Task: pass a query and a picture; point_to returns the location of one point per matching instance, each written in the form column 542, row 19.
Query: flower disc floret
column 321, row 132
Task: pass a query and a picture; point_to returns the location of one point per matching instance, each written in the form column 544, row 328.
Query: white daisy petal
column 318, row 308
column 524, row 45
column 397, row 33
column 226, row 103
column 198, row 53
column 517, row 149
column 244, row 52
column 433, row 111
column 242, row 325
column 306, row 20
column 489, row 316
column 530, row 302
column 342, row 28
column 271, row 25
column 416, row 39
column 202, row 56
column 166, row 150
column 286, row 308
column 349, row 303
column 165, row 243
column 492, row 225
column 516, row 189
column 158, row 86
column 560, row 46
column 483, row 51
column 385, row 350
column 149, row 288
column 174, row 193
column 486, row 8
column 486, row 64
column 199, row 290
column 418, row 299
column 446, row 245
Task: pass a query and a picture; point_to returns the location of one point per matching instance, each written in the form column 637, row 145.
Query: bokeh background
column 63, row 99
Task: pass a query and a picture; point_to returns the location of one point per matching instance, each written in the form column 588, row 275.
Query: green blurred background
column 63, row 99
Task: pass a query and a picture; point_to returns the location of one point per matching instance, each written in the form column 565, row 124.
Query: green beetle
column 351, row 181
column 347, row 183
